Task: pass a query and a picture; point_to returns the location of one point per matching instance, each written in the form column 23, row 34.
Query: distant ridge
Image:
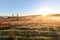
column 32, row 15
column 48, row 14
column 54, row 15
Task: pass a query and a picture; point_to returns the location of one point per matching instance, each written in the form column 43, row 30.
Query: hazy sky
column 23, row 7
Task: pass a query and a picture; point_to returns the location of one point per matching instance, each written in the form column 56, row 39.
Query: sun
column 44, row 14
column 45, row 11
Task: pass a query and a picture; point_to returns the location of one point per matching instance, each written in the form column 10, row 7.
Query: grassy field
column 30, row 28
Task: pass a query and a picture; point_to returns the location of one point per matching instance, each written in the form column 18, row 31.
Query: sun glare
column 45, row 11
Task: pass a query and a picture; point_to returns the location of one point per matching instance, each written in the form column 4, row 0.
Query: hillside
column 29, row 20
column 30, row 28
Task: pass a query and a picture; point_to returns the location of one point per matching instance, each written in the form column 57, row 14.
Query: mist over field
column 33, row 27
